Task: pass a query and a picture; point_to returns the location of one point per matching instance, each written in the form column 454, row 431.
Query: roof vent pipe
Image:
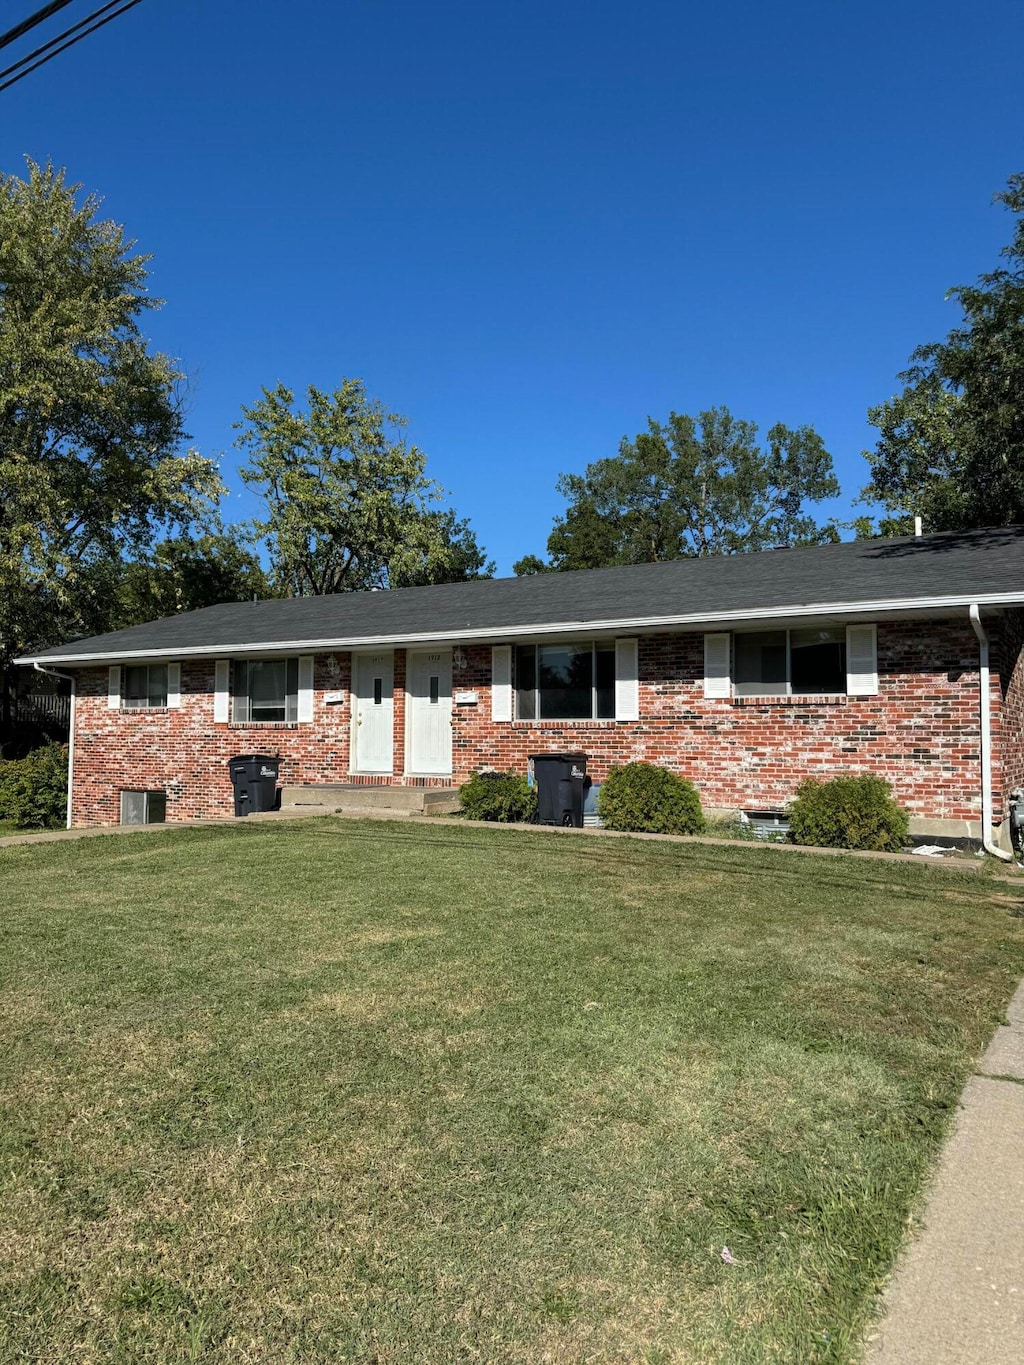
column 986, row 740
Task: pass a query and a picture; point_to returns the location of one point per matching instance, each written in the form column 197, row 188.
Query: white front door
column 429, row 699
column 373, row 714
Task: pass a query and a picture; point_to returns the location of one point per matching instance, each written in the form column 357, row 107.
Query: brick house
column 746, row 674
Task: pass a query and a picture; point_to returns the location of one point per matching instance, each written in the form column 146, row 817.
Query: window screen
column 565, row 682
column 817, row 660
column 265, row 690
column 143, row 808
column 790, row 662
column 761, row 663
column 145, row 685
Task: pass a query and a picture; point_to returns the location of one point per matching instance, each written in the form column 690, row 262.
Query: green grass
column 339, row 1091
column 8, row 827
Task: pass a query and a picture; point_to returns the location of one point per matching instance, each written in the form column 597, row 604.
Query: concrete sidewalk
column 958, row 1293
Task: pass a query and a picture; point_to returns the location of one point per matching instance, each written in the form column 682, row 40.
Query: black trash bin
column 561, row 781
column 254, row 778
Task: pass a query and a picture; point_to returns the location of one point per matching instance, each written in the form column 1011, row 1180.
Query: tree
column 952, row 443
column 692, row 486
column 349, row 504
column 91, row 466
column 191, row 571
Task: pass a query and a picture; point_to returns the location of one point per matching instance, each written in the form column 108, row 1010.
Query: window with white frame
column 264, row 691
column 565, row 681
column 790, row 662
column 144, row 685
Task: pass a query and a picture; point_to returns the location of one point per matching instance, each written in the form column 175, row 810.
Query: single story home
column 746, row 674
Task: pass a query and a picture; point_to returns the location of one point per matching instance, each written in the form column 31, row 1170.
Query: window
column 145, row 685
column 143, row 808
column 565, row 682
column 265, row 690
column 790, row 662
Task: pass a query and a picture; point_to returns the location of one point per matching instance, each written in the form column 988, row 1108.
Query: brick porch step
column 353, row 796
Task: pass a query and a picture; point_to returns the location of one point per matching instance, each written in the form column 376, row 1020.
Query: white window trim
column 502, row 694
column 627, row 678
column 609, row 646
column 718, row 679
column 126, row 704
column 303, row 670
column 860, row 682
column 788, row 630
column 222, row 692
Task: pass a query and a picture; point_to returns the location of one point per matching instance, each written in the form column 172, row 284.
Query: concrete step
column 356, row 796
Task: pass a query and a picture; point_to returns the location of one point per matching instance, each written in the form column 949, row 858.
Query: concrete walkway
column 958, row 1293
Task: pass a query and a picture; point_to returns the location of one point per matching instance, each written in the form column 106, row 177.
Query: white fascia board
column 907, row 607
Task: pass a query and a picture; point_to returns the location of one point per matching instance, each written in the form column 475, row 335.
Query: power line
column 45, row 47
column 14, row 33
column 70, row 43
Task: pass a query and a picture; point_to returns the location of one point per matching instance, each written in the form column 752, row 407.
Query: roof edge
column 886, row 606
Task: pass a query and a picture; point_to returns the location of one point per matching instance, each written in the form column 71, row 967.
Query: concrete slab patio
column 958, row 1293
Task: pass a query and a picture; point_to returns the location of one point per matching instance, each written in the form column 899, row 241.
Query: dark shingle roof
column 883, row 575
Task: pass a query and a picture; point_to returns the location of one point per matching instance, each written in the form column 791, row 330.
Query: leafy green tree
column 530, row 565
column 91, row 466
column 951, row 448
column 692, row 486
column 349, row 504
column 191, row 571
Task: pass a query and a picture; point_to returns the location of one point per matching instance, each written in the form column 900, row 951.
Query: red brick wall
column 182, row 751
column 921, row 731
column 1007, row 663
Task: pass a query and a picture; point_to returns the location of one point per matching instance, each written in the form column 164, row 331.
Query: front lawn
column 334, row 1091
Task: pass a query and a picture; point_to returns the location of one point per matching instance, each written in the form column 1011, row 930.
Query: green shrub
column 848, row 812
column 643, row 797
column 507, row 797
column 34, row 789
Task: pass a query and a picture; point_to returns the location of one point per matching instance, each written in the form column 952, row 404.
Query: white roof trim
column 697, row 620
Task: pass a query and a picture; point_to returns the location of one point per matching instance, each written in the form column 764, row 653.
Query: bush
column 643, row 797
column 34, row 789
column 507, row 797
column 848, row 812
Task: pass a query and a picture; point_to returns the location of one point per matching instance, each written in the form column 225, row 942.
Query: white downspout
column 986, row 741
column 59, row 673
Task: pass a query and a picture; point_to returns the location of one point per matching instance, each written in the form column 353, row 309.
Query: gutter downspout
column 986, row 740
column 68, row 677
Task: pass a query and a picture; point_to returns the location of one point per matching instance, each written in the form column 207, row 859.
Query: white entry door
column 429, row 699
column 373, row 715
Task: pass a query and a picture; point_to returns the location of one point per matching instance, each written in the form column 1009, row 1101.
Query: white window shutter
column 861, row 661
column 174, row 684
column 114, row 686
column 222, row 690
column 627, row 681
column 717, row 679
column 501, row 682
column 305, row 711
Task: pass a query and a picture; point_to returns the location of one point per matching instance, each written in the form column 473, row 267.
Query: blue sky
column 529, row 226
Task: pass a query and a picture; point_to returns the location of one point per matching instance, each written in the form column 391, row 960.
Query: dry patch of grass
column 335, row 1091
